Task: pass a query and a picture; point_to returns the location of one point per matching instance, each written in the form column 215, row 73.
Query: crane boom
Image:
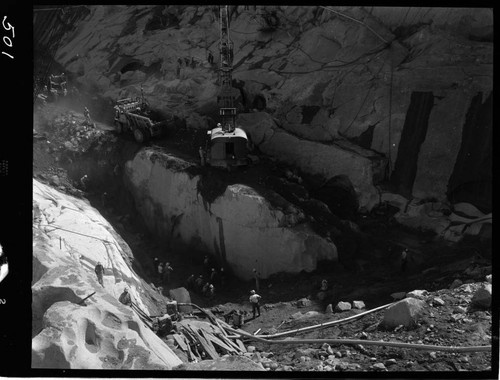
column 227, row 111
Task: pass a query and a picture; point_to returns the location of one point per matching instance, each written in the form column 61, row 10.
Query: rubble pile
column 71, row 132
column 458, row 317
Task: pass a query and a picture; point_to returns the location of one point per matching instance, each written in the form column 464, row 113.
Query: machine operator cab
column 227, row 144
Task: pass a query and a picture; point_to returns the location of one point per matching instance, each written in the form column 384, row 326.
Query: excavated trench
column 370, row 252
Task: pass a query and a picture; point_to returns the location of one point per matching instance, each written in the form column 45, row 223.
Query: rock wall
column 319, row 73
column 240, row 227
column 69, row 238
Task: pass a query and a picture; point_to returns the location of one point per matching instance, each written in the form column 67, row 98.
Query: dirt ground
column 372, row 276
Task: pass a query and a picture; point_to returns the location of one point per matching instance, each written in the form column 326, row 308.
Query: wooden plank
column 210, row 351
column 220, row 327
column 220, row 343
column 191, row 355
column 180, row 341
column 190, row 340
column 229, row 342
column 209, row 343
column 241, row 345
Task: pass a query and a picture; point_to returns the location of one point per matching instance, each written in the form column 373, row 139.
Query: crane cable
column 389, row 150
column 357, row 21
column 389, row 43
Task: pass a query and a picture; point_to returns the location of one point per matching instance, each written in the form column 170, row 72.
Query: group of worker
column 163, row 271
column 201, row 286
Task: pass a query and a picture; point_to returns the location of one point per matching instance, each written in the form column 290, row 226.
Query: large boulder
column 343, row 306
column 482, row 297
column 304, row 302
column 405, row 312
column 233, row 222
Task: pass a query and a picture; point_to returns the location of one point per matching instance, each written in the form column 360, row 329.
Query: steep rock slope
column 382, row 78
column 240, row 227
column 69, row 238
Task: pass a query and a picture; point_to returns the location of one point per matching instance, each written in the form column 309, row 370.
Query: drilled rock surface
column 69, row 238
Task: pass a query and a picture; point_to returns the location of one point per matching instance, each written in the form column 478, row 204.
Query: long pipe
column 428, row 347
column 327, row 324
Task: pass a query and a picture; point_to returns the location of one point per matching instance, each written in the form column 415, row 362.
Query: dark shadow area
column 412, row 137
column 472, row 177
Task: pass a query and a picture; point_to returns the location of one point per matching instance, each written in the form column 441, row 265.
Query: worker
column 324, row 286
column 190, row 282
column 255, row 301
column 160, row 272
column 99, row 271
column 167, row 271
column 222, row 277
column 202, row 156
column 213, row 276
column 210, row 57
column 156, row 262
column 206, row 265
column 211, row 291
column 199, row 283
column 256, row 277
column 125, row 298
column 84, row 182
column 204, row 291
column 404, row 259
column 86, row 113
column 104, row 199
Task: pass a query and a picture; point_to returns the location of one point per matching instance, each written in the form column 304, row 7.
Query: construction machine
column 227, row 145
column 135, row 115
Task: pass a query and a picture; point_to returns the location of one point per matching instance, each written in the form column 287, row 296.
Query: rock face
column 69, row 238
column 410, row 93
column 358, row 304
column 240, row 227
column 405, row 312
column 482, row 297
column 343, row 306
column 361, row 166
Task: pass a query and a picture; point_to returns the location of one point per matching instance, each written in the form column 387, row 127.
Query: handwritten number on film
column 6, row 39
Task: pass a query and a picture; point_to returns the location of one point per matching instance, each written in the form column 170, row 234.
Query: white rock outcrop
column 240, row 227
column 482, row 297
column 69, row 238
column 405, row 312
